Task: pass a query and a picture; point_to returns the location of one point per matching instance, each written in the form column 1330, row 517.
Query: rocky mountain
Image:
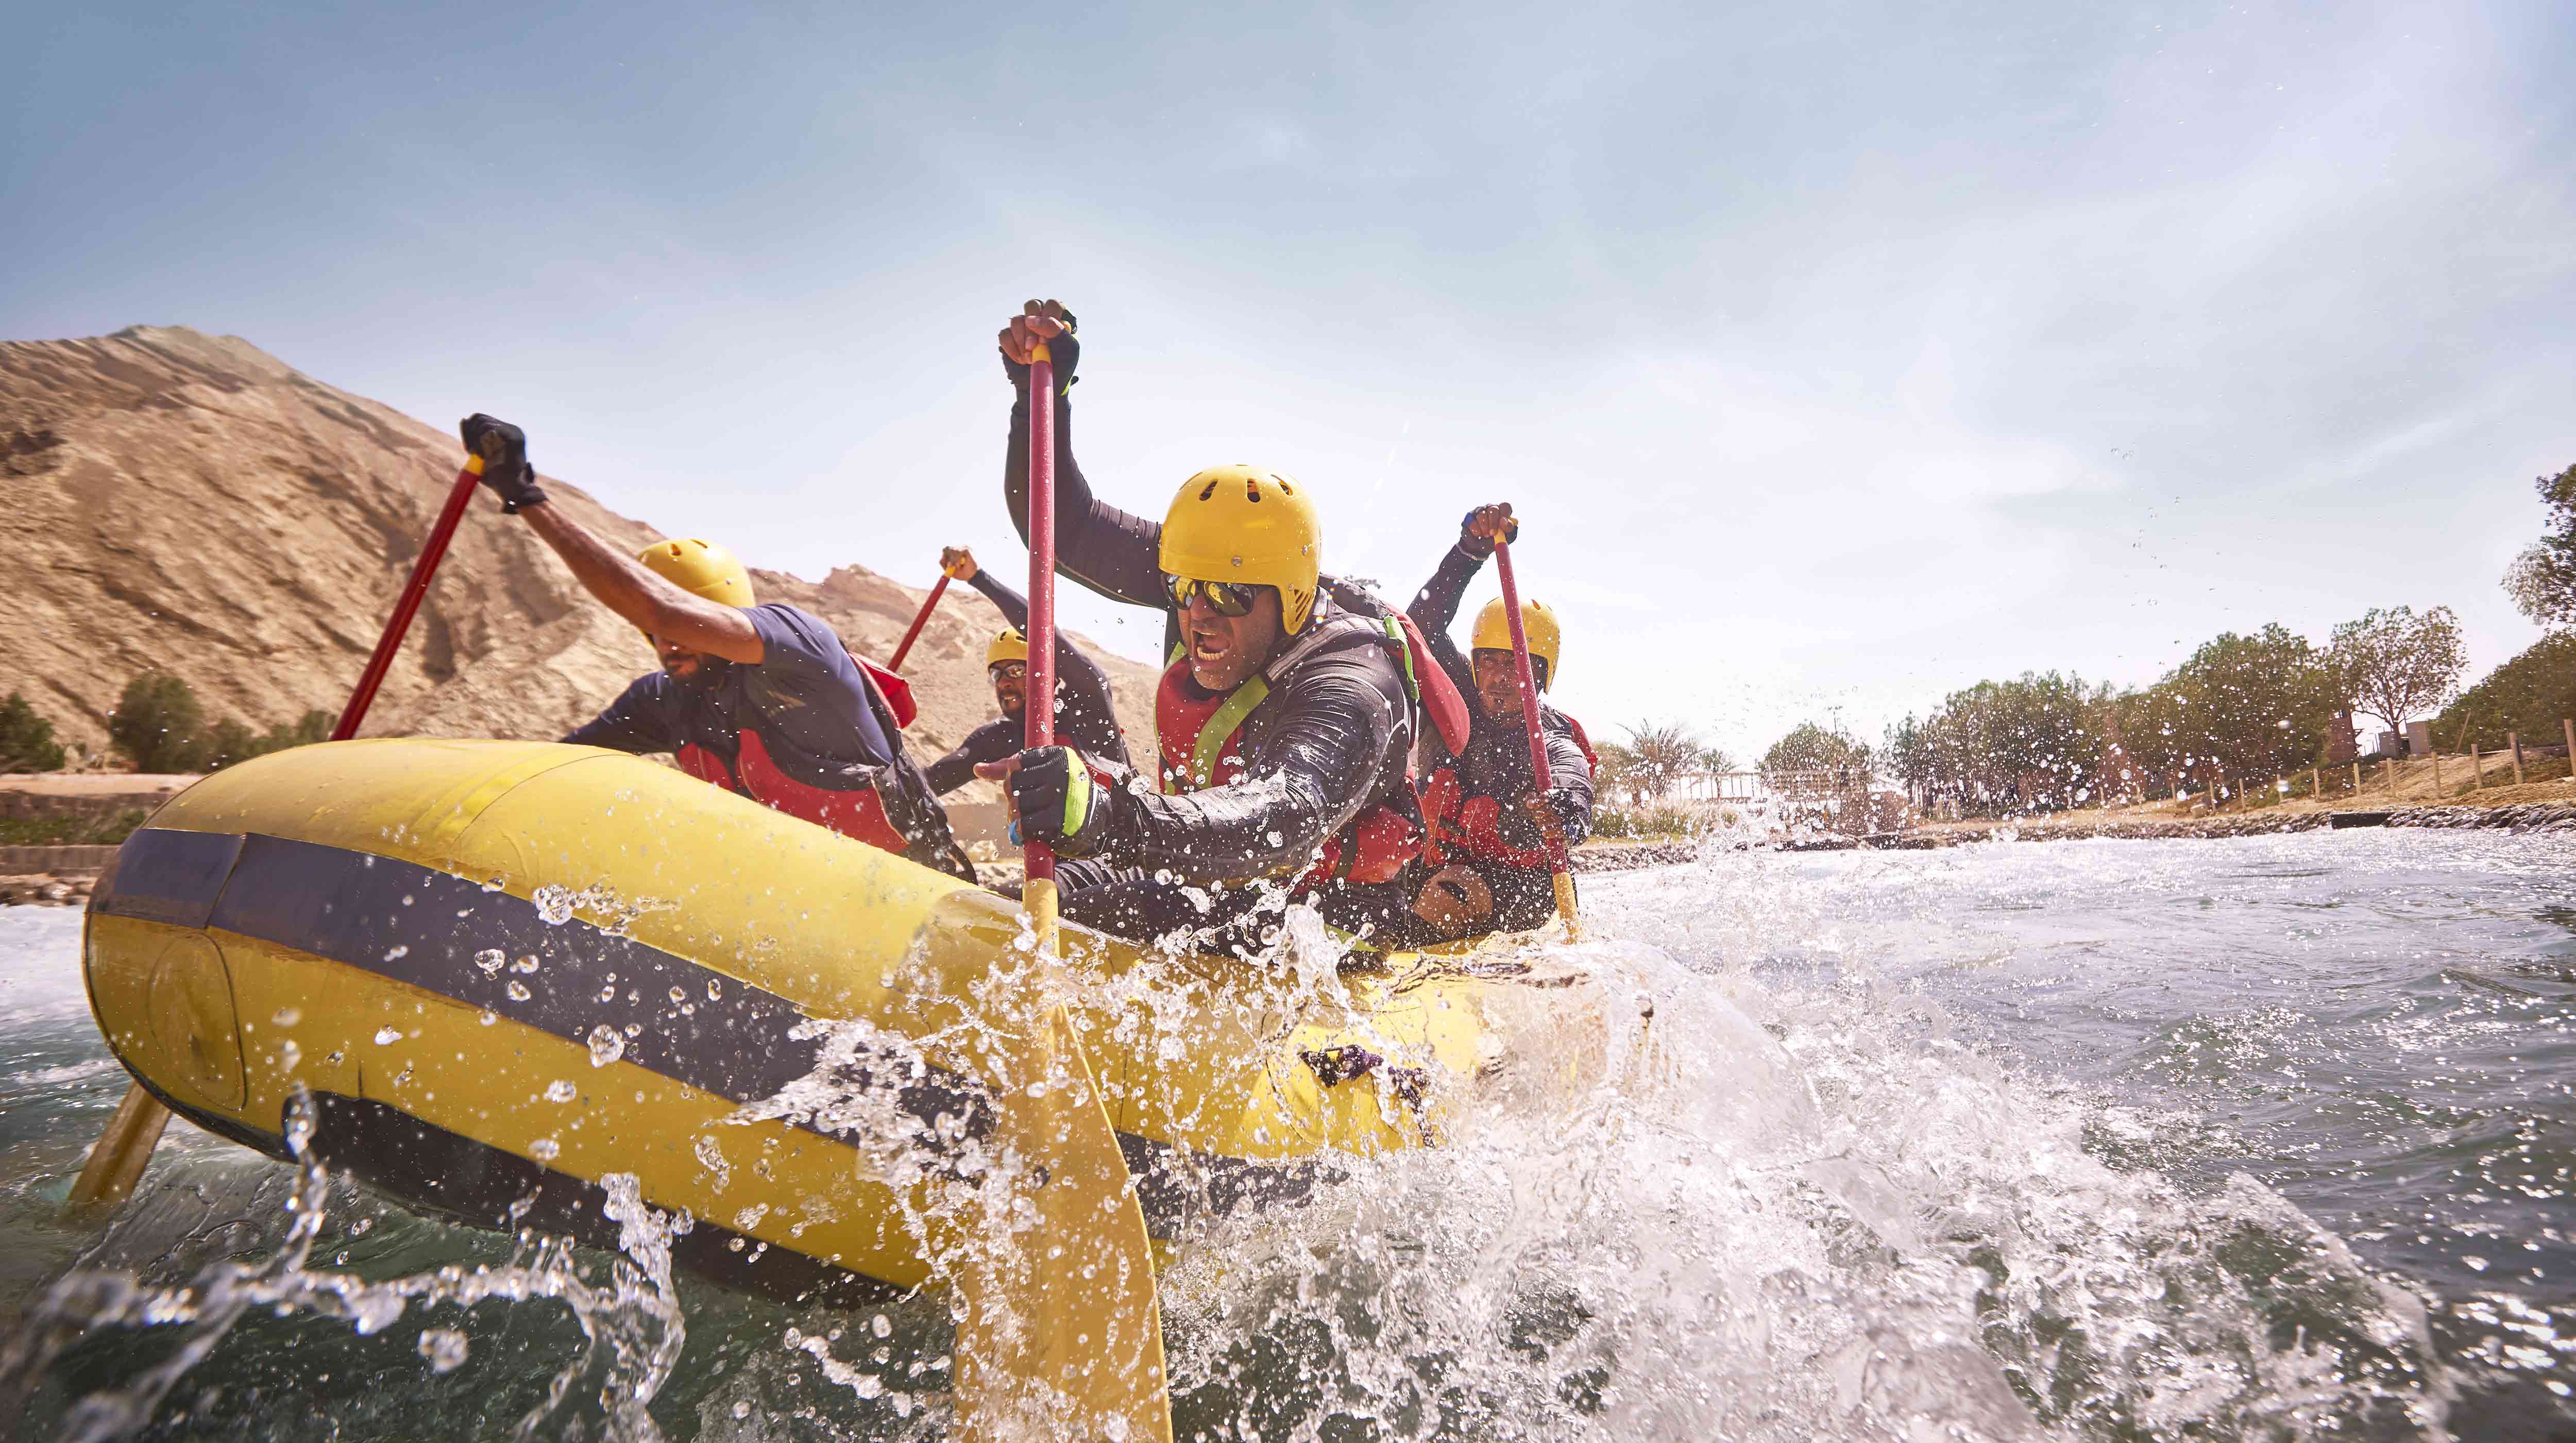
column 191, row 504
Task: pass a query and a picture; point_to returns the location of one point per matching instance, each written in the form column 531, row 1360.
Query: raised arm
column 1435, row 606
column 617, row 580
column 1072, row 669
column 1108, row 550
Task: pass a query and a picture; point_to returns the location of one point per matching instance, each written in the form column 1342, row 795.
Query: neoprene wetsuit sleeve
column 1569, row 771
column 638, row 721
column 1435, row 606
column 1111, row 551
column 1317, row 764
column 990, row 742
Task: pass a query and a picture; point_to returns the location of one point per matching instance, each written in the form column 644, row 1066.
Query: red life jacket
column 890, row 685
column 859, row 815
column 1201, row 740
column 1473, row 825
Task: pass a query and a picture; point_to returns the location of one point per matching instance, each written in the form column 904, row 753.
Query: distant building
column 2419, row 739
column 2343, row 739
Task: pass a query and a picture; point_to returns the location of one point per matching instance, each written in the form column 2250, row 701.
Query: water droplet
column 559, row 1091
column 491, row 961
column 518, row 991
column 489, row 1017
column 524, row 964
column 608, row 994
column 288, row 1054
column 742, row 1409
column 388, row 1034
column 397, row 954
column 544, row 1149
column 287, row 1017
column 444, row 1348
column 678, row 995
column 715, row 989
column 555, row 904
column 881, row 1326
column 606, row 1046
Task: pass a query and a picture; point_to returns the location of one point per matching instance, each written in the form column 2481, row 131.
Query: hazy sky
column 1837, row 355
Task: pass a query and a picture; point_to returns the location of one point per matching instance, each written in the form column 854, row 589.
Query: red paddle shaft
column 432, row 552
column 1529, row 683
column 903, row 648
column 1040, row 708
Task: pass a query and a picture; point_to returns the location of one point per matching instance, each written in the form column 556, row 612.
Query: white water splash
column 633, row 1324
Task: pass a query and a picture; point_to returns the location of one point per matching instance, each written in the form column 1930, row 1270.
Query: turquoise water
column 2259, row 1138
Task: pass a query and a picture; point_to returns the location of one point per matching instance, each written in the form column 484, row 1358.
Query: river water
column 2261, row 1138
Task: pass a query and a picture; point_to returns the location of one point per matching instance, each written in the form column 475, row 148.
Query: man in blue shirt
column 762, row 700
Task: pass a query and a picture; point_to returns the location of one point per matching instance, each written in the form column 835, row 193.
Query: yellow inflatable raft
column 505, row 970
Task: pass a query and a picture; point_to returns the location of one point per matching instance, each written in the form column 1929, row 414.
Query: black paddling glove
column 1059, row 803
column 1065, row 351
column 504, row 449
column 1477, row 546
column 1571, row 810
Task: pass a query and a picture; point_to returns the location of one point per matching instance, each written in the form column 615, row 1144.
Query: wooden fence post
column 2569, row 726
column 2316, row 784
column 2437, row 771
column 2514, row 740
column 2477, row 768
column 2356, row 776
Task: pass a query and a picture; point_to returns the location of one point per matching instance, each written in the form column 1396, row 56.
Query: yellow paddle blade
column 1565, row 904
column 1060, row 1335
column 116, row 1163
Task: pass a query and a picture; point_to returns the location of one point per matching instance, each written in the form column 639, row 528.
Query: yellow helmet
column 1008, row 646
column 1538, row 625
column 1244, row 523
column 700, row 568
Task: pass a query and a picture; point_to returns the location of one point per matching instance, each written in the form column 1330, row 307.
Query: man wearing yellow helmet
column 1487, row 864
column 761, row 700
column 1083, row 715
column 1286, row 720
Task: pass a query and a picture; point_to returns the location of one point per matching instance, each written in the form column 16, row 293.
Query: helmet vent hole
column 1251, row 490
column 1207, row 491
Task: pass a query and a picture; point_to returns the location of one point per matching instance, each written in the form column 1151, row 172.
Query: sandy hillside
column 190, row 503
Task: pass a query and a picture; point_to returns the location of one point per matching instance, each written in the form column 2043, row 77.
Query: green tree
column 2001, row 746
column 2395, row 665
column 1810, row 747
column 2542, row 581
column 1662, row 754
column 2242, row 709
column 158, row 725
column 1618, row 774
column 27, row 740
column 2528, row 695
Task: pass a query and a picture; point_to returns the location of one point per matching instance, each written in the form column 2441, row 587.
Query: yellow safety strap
column 1221, row 727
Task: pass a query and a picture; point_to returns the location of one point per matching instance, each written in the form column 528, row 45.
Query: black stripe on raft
column 451, row 1174
column 168, row 876
column 444, row 934
column 440, row 933
column 1177, row 1188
